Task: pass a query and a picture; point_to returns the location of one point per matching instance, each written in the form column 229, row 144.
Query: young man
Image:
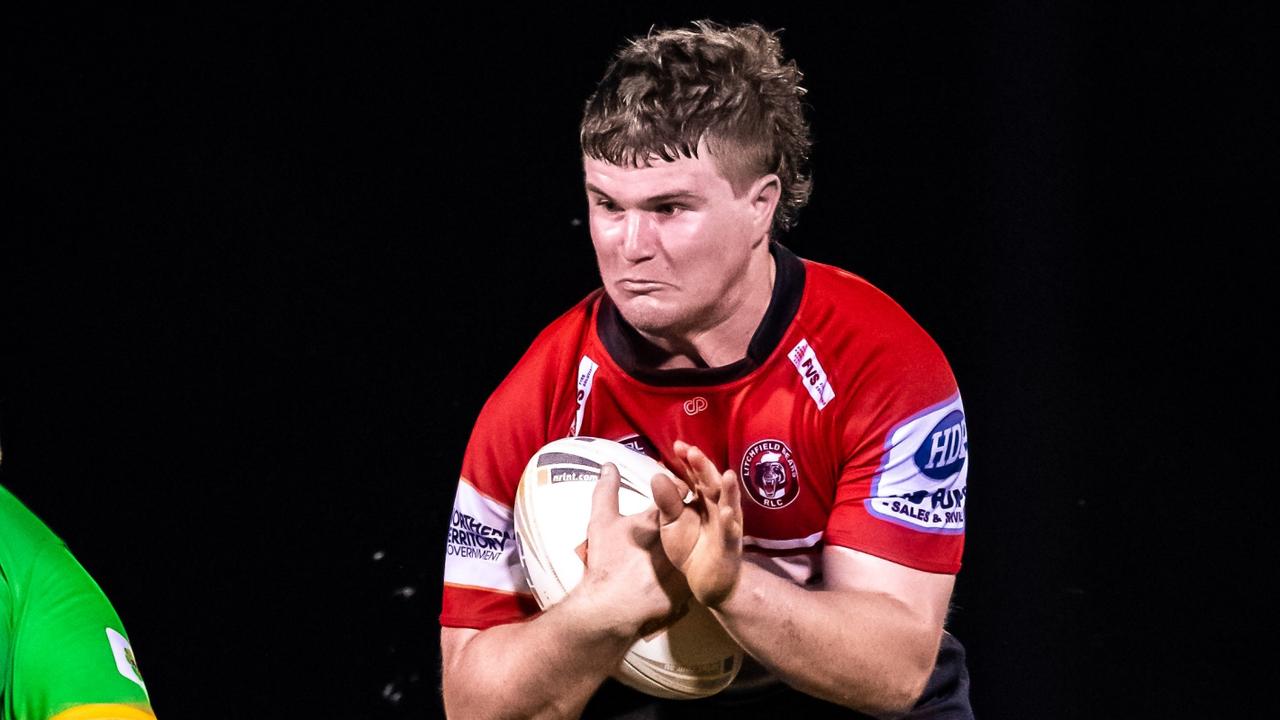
column 64, row 654
column 820, row 427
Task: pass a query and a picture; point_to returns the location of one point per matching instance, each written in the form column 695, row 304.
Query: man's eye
column 607, row 205
column 669, row 209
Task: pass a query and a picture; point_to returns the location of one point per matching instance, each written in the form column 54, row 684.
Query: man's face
column 672, row 241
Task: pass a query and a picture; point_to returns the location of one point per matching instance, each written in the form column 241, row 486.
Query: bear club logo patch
column 769, row 474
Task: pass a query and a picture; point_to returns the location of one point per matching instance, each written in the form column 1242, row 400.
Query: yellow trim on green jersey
column 104, row 711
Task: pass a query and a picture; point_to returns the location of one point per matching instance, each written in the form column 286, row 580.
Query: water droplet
column 392, row 694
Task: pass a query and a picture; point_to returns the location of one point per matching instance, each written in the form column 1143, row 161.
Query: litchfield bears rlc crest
column 769, row 474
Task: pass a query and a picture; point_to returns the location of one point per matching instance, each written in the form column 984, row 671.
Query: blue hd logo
column 943, row 453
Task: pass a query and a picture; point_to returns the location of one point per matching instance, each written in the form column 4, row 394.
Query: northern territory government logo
column 769, row 474
column 469, row 537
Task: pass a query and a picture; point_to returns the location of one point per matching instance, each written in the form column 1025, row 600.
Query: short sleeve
column 484, row 583
column 71, row 656
column 904, row 482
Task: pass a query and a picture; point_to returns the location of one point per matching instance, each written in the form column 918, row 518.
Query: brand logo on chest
column 769, row 474
column 693, row 406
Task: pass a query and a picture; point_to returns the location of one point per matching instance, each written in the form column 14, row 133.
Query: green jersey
column 63, row 652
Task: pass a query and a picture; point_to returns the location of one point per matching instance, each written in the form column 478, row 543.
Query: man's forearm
column 865, row 651
column 548, row 667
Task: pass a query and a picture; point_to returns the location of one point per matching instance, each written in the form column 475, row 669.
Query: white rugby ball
column 694, row 657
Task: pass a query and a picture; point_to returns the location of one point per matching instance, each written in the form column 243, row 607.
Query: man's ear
column 764, row 193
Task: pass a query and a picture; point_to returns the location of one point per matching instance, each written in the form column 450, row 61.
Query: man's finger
column 604, row 499
column 707, row 475
column 730, row 507
column 667, row 497
column 682, row 459
column 683, row 488
column 732, row 491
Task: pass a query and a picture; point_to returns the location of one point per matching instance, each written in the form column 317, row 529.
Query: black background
column 263, row 266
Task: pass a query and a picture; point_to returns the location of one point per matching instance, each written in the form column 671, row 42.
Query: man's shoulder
column 23, row 536
column 838, row 300
column 556, row 347
column 863, row 333
column 568, row 331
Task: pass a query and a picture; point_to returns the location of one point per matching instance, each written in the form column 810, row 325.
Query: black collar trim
column 637, row 356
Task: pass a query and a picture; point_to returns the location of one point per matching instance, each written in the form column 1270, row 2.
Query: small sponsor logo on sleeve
column 946, row 448
column 923, row 478
column 126, row 663
column 812, row 375
column 586, row 375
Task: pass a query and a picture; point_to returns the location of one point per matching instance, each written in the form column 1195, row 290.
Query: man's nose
column 639, row 238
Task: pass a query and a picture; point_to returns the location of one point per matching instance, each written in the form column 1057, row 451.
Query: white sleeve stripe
column 460, row 586
column 792, row 543
column 495, row 505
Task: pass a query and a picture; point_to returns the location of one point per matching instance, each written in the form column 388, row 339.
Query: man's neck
column 723, row 340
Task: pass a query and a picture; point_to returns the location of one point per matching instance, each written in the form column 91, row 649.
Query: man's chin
column 648, row 316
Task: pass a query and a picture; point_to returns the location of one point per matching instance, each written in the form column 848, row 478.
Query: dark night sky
column 262, row 268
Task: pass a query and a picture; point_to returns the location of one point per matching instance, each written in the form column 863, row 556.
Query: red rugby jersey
column 843, row 422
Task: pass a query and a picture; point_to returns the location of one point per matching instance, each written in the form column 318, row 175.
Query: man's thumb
column 667, row 498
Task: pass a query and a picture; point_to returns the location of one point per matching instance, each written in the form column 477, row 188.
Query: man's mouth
column 637, row 285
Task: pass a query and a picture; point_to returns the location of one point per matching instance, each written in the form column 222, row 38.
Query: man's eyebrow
column 673, row 195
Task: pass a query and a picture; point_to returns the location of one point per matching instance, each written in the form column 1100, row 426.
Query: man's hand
column 629, row 589
column 703, row 539
column 628, row 577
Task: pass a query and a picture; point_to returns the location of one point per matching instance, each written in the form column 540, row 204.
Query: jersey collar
column 637, row 356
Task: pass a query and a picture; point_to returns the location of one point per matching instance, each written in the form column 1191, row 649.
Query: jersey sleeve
column 903, row 484
column 484, row 583
column 71, row 658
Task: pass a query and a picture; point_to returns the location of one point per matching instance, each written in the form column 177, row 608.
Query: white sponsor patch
column 586, row 375
column 125, row 662
column 812, row 374
column 922, row 482
column 480, row 550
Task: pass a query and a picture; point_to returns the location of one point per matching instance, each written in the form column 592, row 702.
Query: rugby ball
column 693, row 657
